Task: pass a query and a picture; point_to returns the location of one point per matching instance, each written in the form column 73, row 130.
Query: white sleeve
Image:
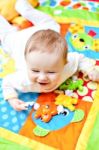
column 85, row 64
column 15, row 42
column 11, row 83
column 35, row 16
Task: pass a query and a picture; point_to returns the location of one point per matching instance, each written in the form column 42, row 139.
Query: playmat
column 76, row 128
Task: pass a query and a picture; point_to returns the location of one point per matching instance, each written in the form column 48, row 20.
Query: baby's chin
column 47, row 88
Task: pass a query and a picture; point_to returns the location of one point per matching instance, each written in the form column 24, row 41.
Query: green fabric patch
column 60, row 12
column 38, row 131
column 93, row 142
column 9, row 145
column 78, row 115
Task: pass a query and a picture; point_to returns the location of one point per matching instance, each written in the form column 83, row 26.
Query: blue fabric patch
column 56, row 122
column 11, row 119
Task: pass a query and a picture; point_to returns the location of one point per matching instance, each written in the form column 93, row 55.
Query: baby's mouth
column 42, row 83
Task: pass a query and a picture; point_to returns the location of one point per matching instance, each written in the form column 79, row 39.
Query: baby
column 41, row 58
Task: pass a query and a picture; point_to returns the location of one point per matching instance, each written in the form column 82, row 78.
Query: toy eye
column 66, row 112
column 47, row 106
column 86, row 47
column 81, row 40
column 74, row 36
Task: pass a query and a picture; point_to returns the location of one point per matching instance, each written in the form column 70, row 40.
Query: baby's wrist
column 88, row 71
column 11, row 99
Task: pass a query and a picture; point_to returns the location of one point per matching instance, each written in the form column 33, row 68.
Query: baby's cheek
column 56, row 78
column 32, row 77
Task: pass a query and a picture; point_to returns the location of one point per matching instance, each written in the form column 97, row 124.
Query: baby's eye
column 51, row 72
column 36, row 71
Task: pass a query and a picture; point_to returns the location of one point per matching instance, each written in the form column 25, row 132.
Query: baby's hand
column 18, row 104
column 94, row 75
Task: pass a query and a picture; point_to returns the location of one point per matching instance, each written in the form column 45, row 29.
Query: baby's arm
column 94, row 75
column 18, row 104
column 9, row 86
column 35, row 16
column 87, row 66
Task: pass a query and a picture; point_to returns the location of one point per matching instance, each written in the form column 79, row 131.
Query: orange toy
column 21, row 23
column 47, row 108
column 46, row 111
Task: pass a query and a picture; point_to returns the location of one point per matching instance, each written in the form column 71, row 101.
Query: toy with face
column 63, row 118
column 82, row 40
column 46, row 111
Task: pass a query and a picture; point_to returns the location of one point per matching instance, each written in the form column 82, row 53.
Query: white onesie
column 14, row 43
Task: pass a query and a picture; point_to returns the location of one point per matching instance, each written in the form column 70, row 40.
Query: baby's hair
column 47, row 41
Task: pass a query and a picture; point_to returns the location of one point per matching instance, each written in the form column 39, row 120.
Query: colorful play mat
column 72, row 130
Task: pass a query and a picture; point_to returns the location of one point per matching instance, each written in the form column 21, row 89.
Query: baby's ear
column 65, row 61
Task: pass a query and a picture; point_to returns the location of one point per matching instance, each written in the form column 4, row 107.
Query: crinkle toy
column 66, row 101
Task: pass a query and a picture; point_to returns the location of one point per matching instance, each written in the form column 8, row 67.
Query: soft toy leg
column 33, row 15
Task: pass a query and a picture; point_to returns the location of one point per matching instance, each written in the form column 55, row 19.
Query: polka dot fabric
column 89, row 89
column 11, row 119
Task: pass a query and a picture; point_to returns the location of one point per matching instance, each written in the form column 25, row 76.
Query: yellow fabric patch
column 19, row 139
column 76, row 20
column 85, row 134
column 7, row 64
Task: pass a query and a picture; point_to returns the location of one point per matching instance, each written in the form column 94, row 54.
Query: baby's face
column 44, row 69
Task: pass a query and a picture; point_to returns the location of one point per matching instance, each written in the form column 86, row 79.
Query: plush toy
column 71, row 84
column 7, row 9
column 47, row 107
column 66, row 101
column 46, row 111
column 58, row 121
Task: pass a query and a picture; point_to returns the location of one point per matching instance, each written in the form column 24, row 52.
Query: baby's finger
column 22, row 107
column 22, row 102
column 92, row 77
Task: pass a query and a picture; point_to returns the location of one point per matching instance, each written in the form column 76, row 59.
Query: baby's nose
column 42, row 77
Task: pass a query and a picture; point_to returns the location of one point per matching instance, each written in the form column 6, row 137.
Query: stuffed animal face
column 81, row 41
